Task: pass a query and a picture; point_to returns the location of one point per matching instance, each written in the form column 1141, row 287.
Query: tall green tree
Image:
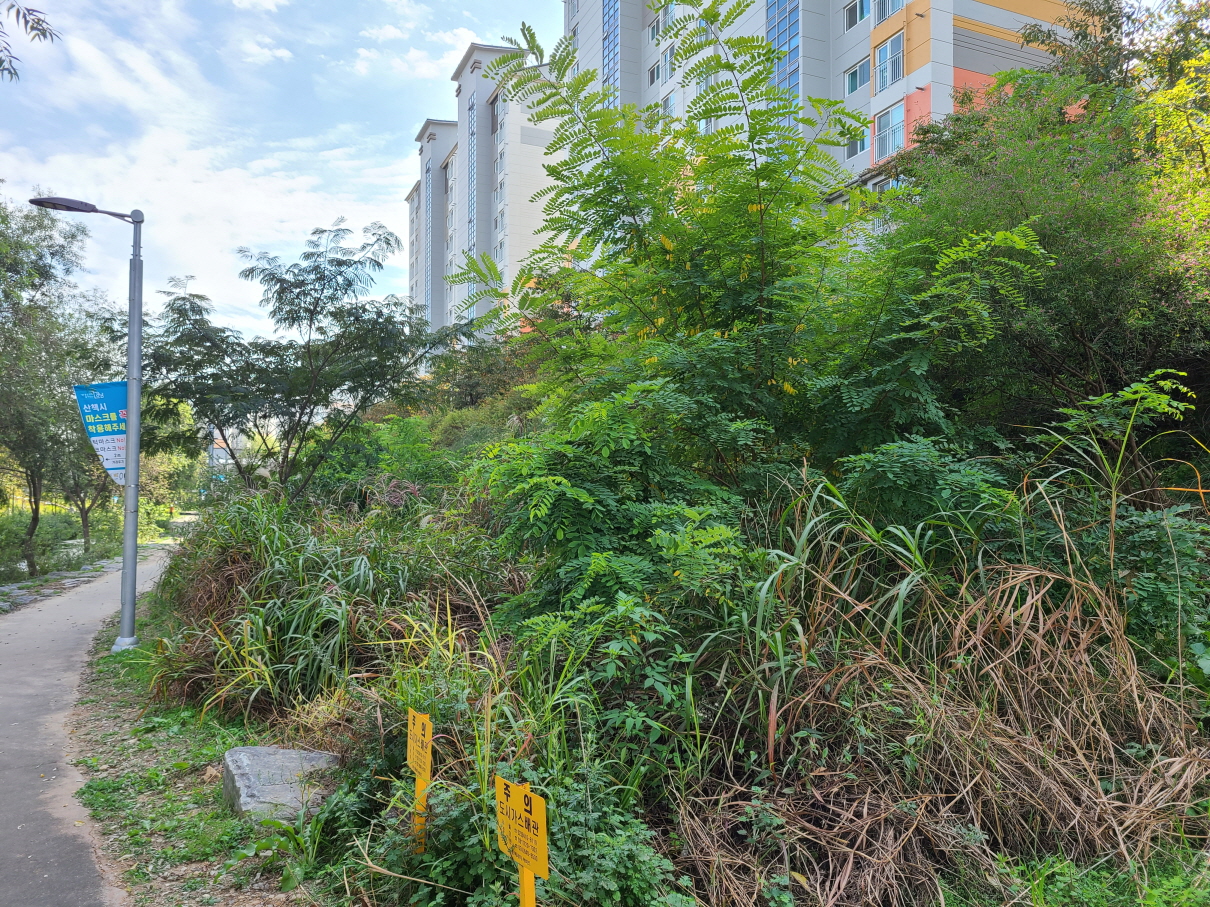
column 283, row 403
column 701, row 256
column 46, row 345
column 1123, row 298
column 720, row 324
column 81, row 479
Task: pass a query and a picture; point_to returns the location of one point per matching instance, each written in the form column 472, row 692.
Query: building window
column 653, row 31
column 888, row 132
column 668, row 63
column 886, row 8
column 781, row 24
column 858, row 77
column 428, row 241
column 857, row 146
column 857, row 11
column 668, row 105
column 888, row 63
column 653, row 74
column 667, row 14
column 611, row 46
column 575, row 38
column 573, row 7
column 472, row 173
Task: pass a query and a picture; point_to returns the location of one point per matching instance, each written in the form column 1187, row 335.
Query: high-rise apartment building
column 897, row 62
column 478, row 176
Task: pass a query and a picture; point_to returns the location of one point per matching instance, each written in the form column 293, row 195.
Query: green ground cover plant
column 152, row 775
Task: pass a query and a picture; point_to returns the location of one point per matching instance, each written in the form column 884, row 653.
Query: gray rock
column 268, row 782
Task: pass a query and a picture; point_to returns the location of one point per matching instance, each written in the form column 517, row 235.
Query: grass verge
column 154, row 783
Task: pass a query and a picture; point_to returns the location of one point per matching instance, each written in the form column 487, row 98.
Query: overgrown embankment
column 867, row 716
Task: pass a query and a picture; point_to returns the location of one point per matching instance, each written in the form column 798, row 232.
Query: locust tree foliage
column 701, row 256
column 713, row 322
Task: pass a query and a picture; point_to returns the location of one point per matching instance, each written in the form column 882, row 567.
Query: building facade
column 478, row 176
column 896, row 62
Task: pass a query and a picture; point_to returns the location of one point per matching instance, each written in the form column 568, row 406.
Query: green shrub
column 55, row 528
column 600, row 855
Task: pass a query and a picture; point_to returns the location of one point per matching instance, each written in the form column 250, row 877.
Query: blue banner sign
column 103, row 409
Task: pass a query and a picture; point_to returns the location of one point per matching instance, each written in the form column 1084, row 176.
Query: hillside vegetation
column 797, row 551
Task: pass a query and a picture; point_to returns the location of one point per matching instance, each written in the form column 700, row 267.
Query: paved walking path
column 46, row 854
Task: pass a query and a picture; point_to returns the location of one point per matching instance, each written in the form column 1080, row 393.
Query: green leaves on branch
column 283, row 403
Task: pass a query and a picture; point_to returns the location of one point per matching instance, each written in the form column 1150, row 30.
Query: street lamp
column 134, row 398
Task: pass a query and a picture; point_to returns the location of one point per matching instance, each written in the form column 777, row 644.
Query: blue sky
column 236, row 123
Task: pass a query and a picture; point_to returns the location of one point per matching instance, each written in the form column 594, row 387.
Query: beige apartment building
column 479, row 174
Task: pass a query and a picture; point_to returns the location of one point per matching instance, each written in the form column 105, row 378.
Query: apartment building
column 479, row 174
column 896, row 62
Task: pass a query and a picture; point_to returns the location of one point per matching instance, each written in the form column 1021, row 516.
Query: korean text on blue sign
column 103, row 409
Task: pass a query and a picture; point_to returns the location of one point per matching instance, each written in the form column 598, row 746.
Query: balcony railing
column 888, row 142
column 888, row 72
column 884, row 8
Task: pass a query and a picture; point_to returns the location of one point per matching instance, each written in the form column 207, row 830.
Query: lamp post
column 134, row 398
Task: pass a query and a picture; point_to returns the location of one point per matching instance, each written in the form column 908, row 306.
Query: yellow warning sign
column 420, row 744
column 420, row 761
column 521, row 826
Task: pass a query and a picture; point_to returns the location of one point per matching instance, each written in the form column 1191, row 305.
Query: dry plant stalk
column 1010, row 718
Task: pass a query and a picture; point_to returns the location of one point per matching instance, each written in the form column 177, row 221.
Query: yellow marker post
column 420, row 761
column 521, row 833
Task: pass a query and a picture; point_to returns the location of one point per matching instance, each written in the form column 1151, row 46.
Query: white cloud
column 411, row 16
column 365, row 56
column 261, row 50
column 459, row 37
column 384, row 33
column 266, row 5
column 132, row 109
column 409, row 9
column 200, row 208
column 156, row 135
column 418, row 63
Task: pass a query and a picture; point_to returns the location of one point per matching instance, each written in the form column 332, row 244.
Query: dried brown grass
column 1009, row 717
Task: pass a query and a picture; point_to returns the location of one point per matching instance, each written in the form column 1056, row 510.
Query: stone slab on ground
column 270, row 782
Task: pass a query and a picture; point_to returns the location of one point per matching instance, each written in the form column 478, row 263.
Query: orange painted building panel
column 1044, row 10
column 917, row 46
column 964, row 78
column 917, row 108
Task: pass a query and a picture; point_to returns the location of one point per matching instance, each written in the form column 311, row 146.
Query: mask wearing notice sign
column 103, row 409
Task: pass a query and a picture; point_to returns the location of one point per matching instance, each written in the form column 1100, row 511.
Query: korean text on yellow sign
column 521, row 826
column 420, row 744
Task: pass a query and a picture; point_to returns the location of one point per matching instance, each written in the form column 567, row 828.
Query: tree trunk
column 34, row 485
column 84, row 528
